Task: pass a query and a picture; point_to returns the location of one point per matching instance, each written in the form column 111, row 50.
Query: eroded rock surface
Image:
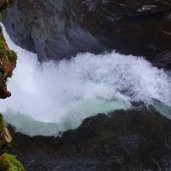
column 57, row 29
column 7, row 65
column 133, row 140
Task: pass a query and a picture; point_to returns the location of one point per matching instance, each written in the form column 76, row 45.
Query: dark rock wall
column 57, row 29
column 47, row 27
column 7, row 64
column 133, row 140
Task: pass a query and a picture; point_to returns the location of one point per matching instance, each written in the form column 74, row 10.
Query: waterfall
column 51, row 97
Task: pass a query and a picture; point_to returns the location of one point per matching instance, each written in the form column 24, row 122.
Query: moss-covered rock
column 7, row 58
column 10, row 163
column 5, row 136
column 7, row 64
column 4, row 51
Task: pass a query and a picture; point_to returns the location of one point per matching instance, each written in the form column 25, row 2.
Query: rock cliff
column 7, row 64
column 133, row 140
column 57, row 29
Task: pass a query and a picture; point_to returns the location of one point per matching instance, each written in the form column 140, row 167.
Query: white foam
column 67, row 92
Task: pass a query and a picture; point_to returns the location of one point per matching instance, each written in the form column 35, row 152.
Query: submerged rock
column 57, row 29
column 132, row 140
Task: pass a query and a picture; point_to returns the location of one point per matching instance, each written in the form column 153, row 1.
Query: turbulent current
column 51, row 97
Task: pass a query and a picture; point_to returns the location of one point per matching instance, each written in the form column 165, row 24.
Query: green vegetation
column 7, row 63
column 2, row 84
column 11, row 55
column 1, row 122
column 4, row 52
column 5, row 136
column 10, row 163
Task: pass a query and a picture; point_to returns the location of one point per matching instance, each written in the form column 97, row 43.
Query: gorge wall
column 57, row 29
column 133, row 140
column 7, row 65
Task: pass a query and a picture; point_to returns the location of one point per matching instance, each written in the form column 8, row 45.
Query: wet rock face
column 5, row 136
column 123, row 141
column 132, row 27
column 61, row 28
column 7, row 59
column 7, row 64
column 47, row 27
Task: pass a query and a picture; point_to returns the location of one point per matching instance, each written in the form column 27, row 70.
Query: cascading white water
column 53, row 97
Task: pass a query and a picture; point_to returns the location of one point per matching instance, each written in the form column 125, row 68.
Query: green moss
column 7, row 162
column 11, row 55
column 2, row 47
column 10, row 163
column 2, row 84
column 4, row 52
column 7, row 62
column 5, row 136
column 1, row 123
column 1, row 119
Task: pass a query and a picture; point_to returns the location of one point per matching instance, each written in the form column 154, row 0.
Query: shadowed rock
column 5, row 136
column 57, row 29
column 123, row 141
column 7, row 64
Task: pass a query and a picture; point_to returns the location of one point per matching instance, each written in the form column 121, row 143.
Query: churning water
column 52, row 97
